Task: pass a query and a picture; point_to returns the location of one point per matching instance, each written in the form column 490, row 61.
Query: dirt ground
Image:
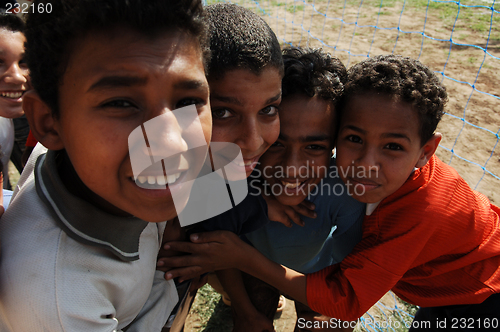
column 460, row 66
column 319, row 24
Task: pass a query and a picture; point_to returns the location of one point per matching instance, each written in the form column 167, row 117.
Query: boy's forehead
column 381, row 112
column 304, row 117
column 121, row 49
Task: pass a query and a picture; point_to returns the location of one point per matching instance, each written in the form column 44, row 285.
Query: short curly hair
column 313, row 72
column 240, row 39
column 406, row 80
column 51, row 37
column 11, row 22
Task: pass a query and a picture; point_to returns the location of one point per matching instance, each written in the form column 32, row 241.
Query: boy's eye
column 269, row 110
column 221, row 113
column 354, row 139
column 276, row 144
column 394, row 146
column 316, row 147
column 119, row 103
column 188, row 101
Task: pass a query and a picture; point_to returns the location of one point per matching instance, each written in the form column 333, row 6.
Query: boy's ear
column 428, row 149
column 41, row 121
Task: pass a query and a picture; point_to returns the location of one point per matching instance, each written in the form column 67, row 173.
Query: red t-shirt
column 31, row 140
column 434, row 242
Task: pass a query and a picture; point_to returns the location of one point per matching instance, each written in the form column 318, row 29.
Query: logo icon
column 169, row 152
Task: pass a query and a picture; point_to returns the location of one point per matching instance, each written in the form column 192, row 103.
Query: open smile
column 293, row 187
column 160, row 180
column 15, row 96
column 169, row 182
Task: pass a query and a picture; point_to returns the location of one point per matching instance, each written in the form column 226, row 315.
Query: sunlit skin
column 115, row 81
column 300, row 158
column 14, row 75
column 245, row 111
column 379, row 145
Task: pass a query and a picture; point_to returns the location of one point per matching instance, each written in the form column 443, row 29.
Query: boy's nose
column 167, row 135
column 367, row 160
column 249, row 137
column 15, row 75
column 294, row 164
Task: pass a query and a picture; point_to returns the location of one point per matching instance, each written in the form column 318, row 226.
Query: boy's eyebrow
column 306, row 139
column 117, row 81
column 273, row 99
column 396, row 135
column 126, row 81
column 385, row 135
column 232, row 100
column 191, row 85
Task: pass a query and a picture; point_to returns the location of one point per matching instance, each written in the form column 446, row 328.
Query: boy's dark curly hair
column 11, row 22
column 240, row 39
column 51, row 37
column 406, row 80
column 313, row 72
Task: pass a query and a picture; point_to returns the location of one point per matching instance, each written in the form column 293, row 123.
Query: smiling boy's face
column 245, row 111
column 301, row 156
column 14, row 79
column 379, row 145
column 114, row 82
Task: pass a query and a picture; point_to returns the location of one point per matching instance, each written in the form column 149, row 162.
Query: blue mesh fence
column 459, row 40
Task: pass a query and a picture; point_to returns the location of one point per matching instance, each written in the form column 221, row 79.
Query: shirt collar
column 83, row 221
column 370, row 207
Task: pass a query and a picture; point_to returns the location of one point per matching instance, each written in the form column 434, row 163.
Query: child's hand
column 285, row 214
column 209, row 252
column 173, row 232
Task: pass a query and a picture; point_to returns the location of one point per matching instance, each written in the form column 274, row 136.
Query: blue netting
column 459, row 40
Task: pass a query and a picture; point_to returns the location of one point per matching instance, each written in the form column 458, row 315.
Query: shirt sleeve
column 348, row 289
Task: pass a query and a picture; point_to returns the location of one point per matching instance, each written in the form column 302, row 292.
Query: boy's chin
column 290, row 200
column 157, row 217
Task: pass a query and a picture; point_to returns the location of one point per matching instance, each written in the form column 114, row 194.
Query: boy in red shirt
column 427, row 235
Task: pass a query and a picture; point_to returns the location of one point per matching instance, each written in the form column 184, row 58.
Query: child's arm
column 247, row 317
column 223, row 250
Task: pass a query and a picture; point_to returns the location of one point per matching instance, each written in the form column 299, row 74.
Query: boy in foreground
column 79, row 242
column 427, row 235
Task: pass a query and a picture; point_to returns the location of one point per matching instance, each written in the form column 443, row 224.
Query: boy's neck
column 76, row 187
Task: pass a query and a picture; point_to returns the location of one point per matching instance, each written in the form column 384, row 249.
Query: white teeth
column 172, row 178
column 13, row 95
column 290, row 185
column 161, row 180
